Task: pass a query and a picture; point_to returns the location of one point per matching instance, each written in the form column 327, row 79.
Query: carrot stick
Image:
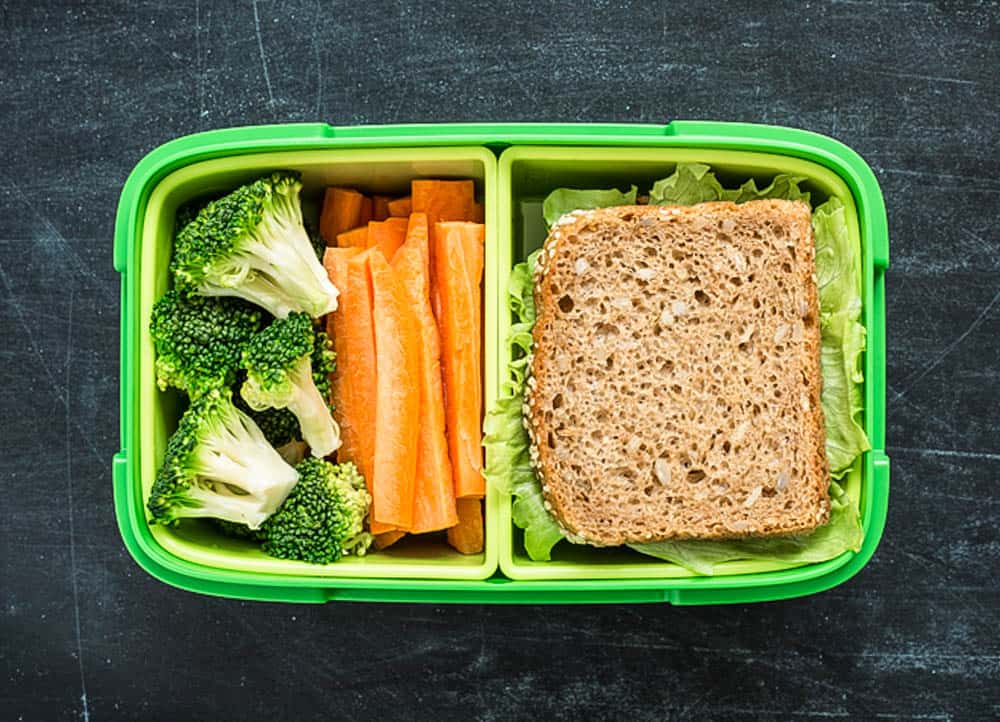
column 434, row 493
column 459, row 264
column 467, row 536
column 367, row 211
column 341, row 212
column 441, row 200
column 387, row 538
column 342, row 394
column 356, row 371
column 400, row 208
column 478, row 214
column 380, row 207
column 354, row 238
column 387, row 235
column 397, row 407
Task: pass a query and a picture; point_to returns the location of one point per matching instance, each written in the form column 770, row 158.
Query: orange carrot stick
column 367, row 211
column 397, row 407
column 387, row 538
column 354, row 238
column 467, row 536
column 357, row 368
column 400, row 208
column 380, row 207
column 478, row 214
column 341, row 212
column 387, row 235
column 338, row 326
column 458, row 259
column 434, row 493
column 442, row 200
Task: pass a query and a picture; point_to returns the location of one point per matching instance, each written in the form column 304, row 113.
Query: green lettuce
column 841, row 533
column 838, row 270
column 692, row 183
column 838, row 261
column 843, row 342
column 838, row 274
column 508, row 464
column 563, row 200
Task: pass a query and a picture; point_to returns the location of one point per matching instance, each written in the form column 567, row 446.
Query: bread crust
column 674, row 388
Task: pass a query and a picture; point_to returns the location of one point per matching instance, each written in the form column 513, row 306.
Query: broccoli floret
column 279, row 426
column 218, row 464
column 199, row 340
column 188, row 211
column 252, row 244
column 323, row 363
column 323, row 518
column 279, row 366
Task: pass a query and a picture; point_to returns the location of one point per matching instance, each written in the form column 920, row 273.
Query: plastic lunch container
column 514, row 166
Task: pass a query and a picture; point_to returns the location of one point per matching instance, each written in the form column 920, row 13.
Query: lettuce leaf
column 840, row 534
column 838, row 261
column 783, row 186
column 508, row 464
column 563, row 200
column 838, row 268
column 692, row 183
column 838, row 274
column 843, row 342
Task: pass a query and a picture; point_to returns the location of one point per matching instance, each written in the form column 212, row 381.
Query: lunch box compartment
column 514, row 166
column 527, row 175
column 385, row 171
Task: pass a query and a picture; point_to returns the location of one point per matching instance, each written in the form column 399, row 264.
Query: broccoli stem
column 222, row 503
column 239, row 455
column 286, row 245
column 319, row 430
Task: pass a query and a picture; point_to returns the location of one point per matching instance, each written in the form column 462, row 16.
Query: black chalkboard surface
column 86, row 89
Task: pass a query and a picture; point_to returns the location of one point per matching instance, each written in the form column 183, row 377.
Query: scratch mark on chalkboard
column 318, row 59
column 927, row 413
column 948, row 453
column 687, row 711
column 758, row 712
column 263, row 55
column 61, row 392
column 946, row 571
column 19, row 312
column 69, row 499
column 199, row 69
column 57, row 237
column 930, row 78
column 910, row 383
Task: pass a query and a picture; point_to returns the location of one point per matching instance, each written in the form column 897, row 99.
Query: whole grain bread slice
column 675, row 376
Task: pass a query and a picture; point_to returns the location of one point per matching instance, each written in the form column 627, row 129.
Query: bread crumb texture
column 675, row 378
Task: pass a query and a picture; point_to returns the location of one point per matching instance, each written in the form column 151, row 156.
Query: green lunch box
column 514, row 166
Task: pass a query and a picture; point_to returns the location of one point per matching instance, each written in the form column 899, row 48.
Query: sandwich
column 675, row 379
column 672, row 365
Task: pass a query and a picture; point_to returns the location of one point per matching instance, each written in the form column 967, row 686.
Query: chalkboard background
column 86, row 89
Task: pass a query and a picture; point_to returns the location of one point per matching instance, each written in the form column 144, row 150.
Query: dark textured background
column 86, row 89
